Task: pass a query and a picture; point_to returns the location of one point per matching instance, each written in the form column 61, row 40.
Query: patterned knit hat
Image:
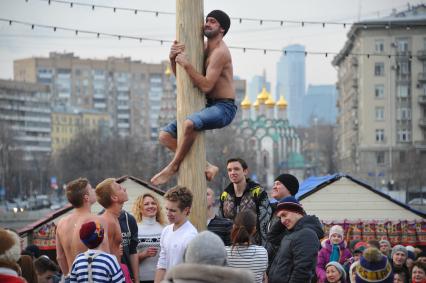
column 373, row 267
column 290, row 204
column 10, row 246
column 92, row 234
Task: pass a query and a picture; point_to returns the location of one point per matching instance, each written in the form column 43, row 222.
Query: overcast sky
column 21, row 42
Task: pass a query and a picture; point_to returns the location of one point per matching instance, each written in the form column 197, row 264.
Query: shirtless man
column 111, row 195
column 68, row 244
column 217, row 84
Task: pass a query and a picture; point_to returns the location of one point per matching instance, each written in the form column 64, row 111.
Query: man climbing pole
column 217, row 84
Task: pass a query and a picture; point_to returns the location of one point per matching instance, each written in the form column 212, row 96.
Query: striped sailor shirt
column 105, row 268
column 252, row 258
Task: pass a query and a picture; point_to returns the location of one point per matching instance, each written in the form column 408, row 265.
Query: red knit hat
column 92, row 234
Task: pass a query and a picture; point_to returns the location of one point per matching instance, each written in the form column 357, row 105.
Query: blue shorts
column 217, row 114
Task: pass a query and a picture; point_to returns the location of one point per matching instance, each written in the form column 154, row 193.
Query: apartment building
column 68, row 121
column 130, row 91
column 382, row 102
column 25, row 109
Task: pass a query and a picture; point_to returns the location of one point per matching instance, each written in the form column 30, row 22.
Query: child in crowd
column 333, row 249
column 95, row 265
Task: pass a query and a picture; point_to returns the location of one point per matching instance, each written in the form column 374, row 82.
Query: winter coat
column 254, row 198
column 204, row 273
column 277, row 231
column 324, row 258
column 296, row 258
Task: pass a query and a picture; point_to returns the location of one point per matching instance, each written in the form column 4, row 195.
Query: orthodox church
column 265, row 130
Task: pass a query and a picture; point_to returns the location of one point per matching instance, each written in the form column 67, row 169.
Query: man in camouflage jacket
column 243, row 194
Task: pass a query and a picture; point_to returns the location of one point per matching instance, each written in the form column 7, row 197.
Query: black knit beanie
column 222, row 18
column 290, row 182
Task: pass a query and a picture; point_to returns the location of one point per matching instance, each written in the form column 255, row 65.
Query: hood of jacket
column 312, row 222
column 192, row 272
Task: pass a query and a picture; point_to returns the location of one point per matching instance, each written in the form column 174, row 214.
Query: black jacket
column 296, row 258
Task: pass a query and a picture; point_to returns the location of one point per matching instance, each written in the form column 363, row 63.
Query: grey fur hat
column 206, row 248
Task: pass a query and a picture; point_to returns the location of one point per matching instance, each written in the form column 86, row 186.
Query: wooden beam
column 189, row 31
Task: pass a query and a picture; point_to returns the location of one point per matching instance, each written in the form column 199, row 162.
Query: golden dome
column 270, row 103
column 263, row 95
column 282, row 103
column 245, row 104
column 256, row 104
column 168, row 72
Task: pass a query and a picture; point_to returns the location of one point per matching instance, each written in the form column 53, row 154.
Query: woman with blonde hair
column 148, row 213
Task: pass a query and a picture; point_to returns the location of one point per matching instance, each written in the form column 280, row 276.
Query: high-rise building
column 130, row 91
column 382, row 98
column 319, row 103
column 25, row 108
column 290, row 81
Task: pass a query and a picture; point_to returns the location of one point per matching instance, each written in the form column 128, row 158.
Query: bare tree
column 318, row 147
column 408, row 171
column 11, row 161
column 97, row 156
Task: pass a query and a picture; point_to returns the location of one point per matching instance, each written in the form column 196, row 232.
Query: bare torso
column 224, row 87
column 68, row 235
column 114, row 233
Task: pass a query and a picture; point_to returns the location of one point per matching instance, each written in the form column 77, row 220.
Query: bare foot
column 211, row 171
column 164, row 176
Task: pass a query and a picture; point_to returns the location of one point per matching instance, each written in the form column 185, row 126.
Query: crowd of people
column 252, row 238
column 157, row 244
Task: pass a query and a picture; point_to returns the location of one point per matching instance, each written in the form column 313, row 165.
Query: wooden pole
column 189, row 31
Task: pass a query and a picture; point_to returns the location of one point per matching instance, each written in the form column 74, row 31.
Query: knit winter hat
column 373, row 267
column 352, row 244
column 360, row 247
column 385, row 242
column 206, row 248
column 222, row 18
column 339, row 268
column 290, row 182
column 399, row 248
column 10, row 246
column 411, row 255
column 291, row 204
column 336, row 229
column 92, row 234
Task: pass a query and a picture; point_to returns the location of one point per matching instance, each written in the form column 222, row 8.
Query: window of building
column 402, row 45
column 379, row 46
column 380, row 135
column 380, row 113
column 402, row 90
column 380, row 157
column 403, row 113
column 379, row 69
column 404, row 135
column 379, row 91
